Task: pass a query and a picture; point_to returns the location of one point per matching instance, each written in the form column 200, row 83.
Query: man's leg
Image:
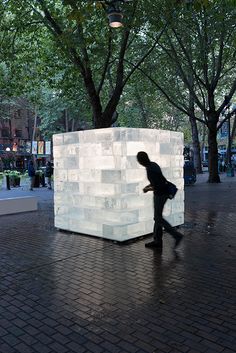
column 172, row 231
column 31, row 183
column 49, row 182
column 159, row 202
column 157, row 232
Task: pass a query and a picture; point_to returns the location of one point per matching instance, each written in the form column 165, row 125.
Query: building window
column 5, row 132
column 18, row 133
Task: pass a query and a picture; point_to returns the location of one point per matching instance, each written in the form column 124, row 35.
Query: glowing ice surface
column 98, row 182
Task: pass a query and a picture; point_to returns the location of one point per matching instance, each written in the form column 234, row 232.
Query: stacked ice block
column 98, row 182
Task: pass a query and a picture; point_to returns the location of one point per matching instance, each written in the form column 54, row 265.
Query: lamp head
column 115, row 17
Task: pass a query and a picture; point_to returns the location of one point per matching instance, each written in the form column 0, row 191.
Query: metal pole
column 8, row 182
column 229, row 144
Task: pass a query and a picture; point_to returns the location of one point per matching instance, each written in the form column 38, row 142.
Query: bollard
column 8, row 182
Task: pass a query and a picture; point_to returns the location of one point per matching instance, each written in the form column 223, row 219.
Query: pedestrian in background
column 223, row 165
column 31, row 173
column 158, row 184
column 48, row 174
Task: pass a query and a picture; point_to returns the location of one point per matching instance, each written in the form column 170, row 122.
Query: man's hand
column 148, row 188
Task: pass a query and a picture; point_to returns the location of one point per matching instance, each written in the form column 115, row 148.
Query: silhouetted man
column 158, row 184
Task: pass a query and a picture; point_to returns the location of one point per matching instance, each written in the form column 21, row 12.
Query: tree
column 80, row 33
column 141, row 106
column 198, row 53
column 33, row 70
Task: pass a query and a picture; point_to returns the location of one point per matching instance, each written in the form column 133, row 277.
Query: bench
column 18, row 204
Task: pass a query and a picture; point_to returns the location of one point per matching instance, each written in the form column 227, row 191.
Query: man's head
column 143, row 159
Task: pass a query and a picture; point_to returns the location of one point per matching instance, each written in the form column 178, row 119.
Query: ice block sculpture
column 98, row 182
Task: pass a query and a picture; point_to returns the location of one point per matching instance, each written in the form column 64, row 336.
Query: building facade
column 16, row 128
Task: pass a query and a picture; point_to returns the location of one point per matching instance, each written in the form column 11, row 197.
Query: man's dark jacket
column 31, row 170
column 157, row 179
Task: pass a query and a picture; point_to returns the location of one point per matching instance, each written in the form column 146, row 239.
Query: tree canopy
column 170, row 60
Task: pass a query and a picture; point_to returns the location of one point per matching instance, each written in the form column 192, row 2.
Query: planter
column 14, row 181
column 36, row 181
column 39, row 180
column 42, row 180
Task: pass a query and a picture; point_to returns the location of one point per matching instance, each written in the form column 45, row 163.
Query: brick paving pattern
column 66, row 293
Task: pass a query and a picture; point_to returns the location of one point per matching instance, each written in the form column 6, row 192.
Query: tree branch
column 106, row 64
column 145, row 56
column 182, row 74
column 188, row 58
column 165, row 94
column 219, row 63
column 228, row 116
column 53, row 24
column 119, row 85
column 199, row 81
column 205, row 49
column 226, row 72
column 229, row 96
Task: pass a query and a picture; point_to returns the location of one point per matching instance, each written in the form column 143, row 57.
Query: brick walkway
column 66, row 293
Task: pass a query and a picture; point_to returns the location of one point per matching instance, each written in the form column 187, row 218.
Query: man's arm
column 148, row 188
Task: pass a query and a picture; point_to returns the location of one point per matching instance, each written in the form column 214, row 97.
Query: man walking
column 48, row 174
column 31, row 173
column 158, row 184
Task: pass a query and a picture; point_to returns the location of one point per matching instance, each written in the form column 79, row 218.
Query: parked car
column 190, row 176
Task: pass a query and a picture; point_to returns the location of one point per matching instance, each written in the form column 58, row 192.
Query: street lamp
column 115, row 17
column 114, row 12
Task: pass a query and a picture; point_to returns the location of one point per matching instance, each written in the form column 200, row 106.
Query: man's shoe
column 154, row 244
column 178, row 240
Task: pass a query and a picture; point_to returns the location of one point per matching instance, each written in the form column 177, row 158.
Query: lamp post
column 229, row 145
column 231, row 110
column 7, row 175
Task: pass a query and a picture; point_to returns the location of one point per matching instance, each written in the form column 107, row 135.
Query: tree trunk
column 196, row 145
column 94, row 99
column 195, row 136
column 35, row 124
column 213, row 152
column 73, row 125
column 109, row 112
column 233, row 129
column 102, row 119
column 141, row 108
column 203, row 141
column 66, row 122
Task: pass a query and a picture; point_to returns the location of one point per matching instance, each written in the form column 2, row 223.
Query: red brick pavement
column 66, row 293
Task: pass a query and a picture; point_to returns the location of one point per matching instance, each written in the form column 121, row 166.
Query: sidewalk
column 202, row 178
column 42, row 194
column 68, row 293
